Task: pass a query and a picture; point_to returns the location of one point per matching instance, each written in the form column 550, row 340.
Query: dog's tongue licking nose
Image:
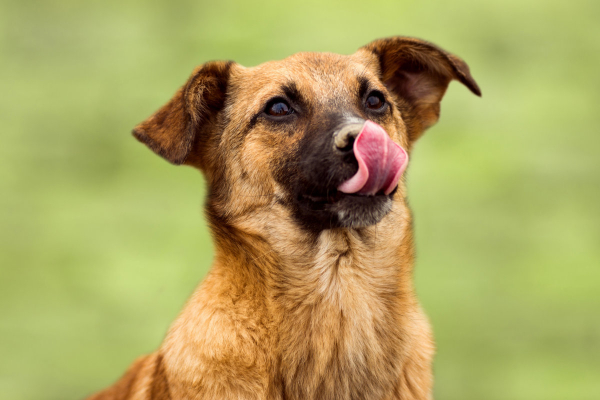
column 381, row 162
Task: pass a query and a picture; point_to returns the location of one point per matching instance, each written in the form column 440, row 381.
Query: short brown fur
column 288, row 313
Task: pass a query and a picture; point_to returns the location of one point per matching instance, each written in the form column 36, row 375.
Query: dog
column 310, row 293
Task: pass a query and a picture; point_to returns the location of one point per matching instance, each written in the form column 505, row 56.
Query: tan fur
column 284, row 314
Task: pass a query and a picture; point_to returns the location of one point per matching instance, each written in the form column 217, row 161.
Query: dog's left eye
column 278, row 108
column 375, row 101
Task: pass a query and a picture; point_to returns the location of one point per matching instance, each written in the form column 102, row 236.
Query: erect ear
column 418, row 73
column 171, row 131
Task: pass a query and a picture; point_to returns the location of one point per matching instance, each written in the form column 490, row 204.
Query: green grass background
column 101, row 241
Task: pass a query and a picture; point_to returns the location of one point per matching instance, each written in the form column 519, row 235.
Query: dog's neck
column 299, row 264
column 335, row 299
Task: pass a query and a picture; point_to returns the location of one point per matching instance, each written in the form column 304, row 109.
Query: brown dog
column 310, row 294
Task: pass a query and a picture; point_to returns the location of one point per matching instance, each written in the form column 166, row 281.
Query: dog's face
column 285, row 133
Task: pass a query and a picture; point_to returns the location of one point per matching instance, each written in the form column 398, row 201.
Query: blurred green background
column 101, row 241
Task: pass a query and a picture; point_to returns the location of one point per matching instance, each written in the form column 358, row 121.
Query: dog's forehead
column 308, row 66
column 319, row 76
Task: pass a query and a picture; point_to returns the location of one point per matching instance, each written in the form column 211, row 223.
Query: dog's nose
column 343, row 138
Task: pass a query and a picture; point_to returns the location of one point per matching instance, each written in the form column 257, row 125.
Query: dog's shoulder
column 222, row 332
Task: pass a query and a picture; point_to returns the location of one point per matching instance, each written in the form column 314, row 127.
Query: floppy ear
column 419, row 72
column 171, row 131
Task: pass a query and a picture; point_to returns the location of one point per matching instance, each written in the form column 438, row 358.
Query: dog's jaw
column 361, row 217
column 340, row 210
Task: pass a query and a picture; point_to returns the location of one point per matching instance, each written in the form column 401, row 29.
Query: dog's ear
column 171, row 131
column 419, row 73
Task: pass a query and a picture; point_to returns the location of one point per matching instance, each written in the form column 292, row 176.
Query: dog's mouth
column 334, row 208
column 318, row 201
column 323, row 201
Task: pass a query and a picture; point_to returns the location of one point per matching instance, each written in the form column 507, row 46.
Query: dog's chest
column 341, row 336
column 340, row 364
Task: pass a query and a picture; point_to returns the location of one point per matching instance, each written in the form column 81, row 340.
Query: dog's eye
column 278, row 108
column 375, row 101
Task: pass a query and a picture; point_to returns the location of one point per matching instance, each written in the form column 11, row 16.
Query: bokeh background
column 101, row 241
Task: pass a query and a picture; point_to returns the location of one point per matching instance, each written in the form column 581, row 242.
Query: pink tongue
column 381, row 162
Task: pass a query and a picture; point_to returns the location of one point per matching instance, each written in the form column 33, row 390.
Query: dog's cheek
column 262, row 154
column 285, row 168
column 399, row 133
column 252, row 165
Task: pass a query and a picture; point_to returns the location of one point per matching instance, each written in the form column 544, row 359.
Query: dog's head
column 321, row 135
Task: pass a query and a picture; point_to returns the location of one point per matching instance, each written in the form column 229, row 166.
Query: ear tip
column 464, row 76
column 475, row 89
column 141, row 135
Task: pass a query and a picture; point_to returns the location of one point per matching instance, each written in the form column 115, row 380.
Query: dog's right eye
column 278, row 108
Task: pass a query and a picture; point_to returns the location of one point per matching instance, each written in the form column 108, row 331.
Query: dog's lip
column 334, row 196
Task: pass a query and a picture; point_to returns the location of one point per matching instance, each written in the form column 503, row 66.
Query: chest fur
column 340, row 333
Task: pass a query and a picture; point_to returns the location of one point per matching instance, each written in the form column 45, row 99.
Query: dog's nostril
column 344, row 137
column 348, row 147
